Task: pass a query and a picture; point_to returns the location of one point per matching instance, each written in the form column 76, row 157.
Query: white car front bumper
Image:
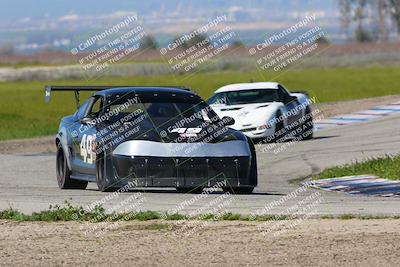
column 259, row 134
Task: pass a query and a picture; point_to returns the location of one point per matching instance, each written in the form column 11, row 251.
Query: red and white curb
column 359, row 185
column 358, row 117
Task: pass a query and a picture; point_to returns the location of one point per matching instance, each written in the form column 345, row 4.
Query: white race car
column 265, row 110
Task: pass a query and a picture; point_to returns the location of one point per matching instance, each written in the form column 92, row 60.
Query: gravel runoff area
column 326, row 242
column 46, row 144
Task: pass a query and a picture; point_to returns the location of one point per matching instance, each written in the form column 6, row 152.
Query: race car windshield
column 245, row 97
column 163, row 111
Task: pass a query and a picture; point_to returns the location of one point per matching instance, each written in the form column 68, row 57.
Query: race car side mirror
column 87, row 120
column 228, row 121
column 290, row 98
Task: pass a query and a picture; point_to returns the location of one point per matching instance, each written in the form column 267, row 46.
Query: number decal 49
column 186, row 130
column 88, row 148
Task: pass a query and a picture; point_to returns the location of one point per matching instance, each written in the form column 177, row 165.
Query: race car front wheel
column 279, row 134
column 192, row 190
column 101, row 175
column 308, row 126
column 63, row 173
column 253, row 176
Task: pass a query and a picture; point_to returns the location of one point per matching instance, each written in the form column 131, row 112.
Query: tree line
column 369, row 20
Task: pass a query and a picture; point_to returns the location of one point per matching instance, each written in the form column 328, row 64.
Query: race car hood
column 248, row 115
column 176, row 130
column 174, row 139
column 197, row 131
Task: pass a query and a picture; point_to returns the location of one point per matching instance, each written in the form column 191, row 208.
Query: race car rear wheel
column 63, row 173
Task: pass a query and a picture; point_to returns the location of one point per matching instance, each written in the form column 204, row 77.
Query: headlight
column 263, row 127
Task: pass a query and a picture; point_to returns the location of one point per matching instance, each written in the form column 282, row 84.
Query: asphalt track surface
column 28, row 183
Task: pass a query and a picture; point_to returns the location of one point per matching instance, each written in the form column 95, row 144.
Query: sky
column 17, row 9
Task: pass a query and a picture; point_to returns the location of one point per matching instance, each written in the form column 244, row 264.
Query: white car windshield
column 245, row 97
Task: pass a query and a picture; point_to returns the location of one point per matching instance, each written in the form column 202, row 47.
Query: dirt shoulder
column 345, row 107
column 29, row 146
column 308, row 243
column 47, row 144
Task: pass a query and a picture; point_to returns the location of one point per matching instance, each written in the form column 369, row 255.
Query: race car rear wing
column 76, row 89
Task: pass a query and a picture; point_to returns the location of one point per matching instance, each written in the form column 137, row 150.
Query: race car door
column 293, row 112
column 84, row 150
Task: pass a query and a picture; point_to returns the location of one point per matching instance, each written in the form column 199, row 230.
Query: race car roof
column 139, row 90
column 247, row 86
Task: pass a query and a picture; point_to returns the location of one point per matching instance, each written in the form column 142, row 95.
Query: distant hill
column 30, row 26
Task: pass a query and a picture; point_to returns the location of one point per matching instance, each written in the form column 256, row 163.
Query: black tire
column 101, row 175
column 238, row 190
column 279, row 127
column 63, row 173
column 253, row 179
column 192, row 190
column 308, row 126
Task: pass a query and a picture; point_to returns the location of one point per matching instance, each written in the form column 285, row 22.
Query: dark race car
column 150, row 137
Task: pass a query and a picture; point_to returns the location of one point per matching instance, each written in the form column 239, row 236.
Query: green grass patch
column 384, row 167
column 24, row 113
column 357, row 217
column 98, row 215
column 69, row 212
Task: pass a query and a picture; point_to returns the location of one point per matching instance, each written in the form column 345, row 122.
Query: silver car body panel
column 234, row 148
